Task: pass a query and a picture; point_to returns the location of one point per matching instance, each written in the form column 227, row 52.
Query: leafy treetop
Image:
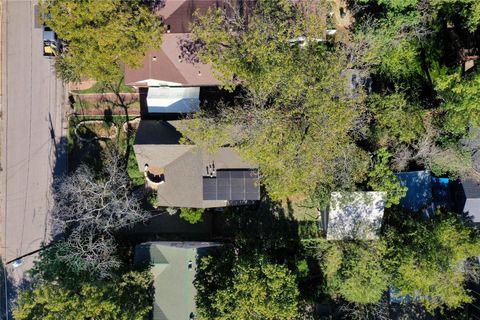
column 101, row 36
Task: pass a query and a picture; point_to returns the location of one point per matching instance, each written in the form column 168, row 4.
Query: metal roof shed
column 173, row 99
column 355, row 215
column 471, row 198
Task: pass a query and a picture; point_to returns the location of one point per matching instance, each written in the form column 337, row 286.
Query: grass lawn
column 102, row 87
column 300, row 211
column 306, row 217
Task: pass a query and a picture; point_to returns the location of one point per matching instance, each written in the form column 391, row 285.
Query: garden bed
column 131, row 125
column 89, row 152
column 91, row 130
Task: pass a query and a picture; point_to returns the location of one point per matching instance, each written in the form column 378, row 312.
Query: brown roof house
column 189, row 175
column 172, row 83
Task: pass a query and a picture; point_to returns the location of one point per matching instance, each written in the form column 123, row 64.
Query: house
column 174, row 266
column 355, row 215
column 165, row 67
column 424, row 192
column 419, row 194
column 468, row 198
column 170, row 80
column 189, row 175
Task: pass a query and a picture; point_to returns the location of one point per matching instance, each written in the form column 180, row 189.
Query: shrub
column 192, row 215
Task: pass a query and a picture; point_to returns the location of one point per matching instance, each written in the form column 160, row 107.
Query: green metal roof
column 173, row 267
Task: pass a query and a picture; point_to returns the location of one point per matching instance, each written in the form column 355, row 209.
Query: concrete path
column 33, row 144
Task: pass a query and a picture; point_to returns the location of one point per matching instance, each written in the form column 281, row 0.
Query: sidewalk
column 3, row 56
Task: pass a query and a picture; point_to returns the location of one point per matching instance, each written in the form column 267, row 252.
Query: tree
column 469, row 11
column 430, row 259
column 252, row 290
column 354, row 270
column 396, row 120
column 297, row 119
column 192, row 215
column 381, row 178
column 460, row 97
column 257, row 52
column 124, row 297
column 88, row 209
column 101, row 35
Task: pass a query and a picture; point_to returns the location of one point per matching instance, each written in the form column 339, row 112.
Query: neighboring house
column 189, row 175
column 468, row 198
column 171, row 83
column 425, row 192
column 174, row 266
column 419, row 194
column 165, row 67
column 355, row 215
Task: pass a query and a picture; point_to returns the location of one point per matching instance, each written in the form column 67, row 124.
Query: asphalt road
column 33, row 144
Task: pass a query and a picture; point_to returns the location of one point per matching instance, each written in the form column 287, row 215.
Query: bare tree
column 89, row 252
column 377, row 311
column 89, row 208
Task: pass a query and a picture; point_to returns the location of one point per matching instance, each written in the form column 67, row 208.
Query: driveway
column 33, row 144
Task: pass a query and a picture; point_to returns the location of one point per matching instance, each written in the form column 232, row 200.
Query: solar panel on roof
column 240, row 184
column 209, row 188
column 223, row 174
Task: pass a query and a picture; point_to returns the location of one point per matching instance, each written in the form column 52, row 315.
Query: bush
column 192, row 215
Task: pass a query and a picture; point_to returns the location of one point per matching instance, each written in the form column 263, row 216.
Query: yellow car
column 50, row 42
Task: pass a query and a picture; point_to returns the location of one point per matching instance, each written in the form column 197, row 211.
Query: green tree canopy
column 354, row 270
column 192, row 215
column 461, row 101
column 251, row 290
column 396, row 120
column 300, row 109
column 258, row 52
column 382, row 178
column 101, row 35
column 468, row 10
column 125, row 297
column 430, row 258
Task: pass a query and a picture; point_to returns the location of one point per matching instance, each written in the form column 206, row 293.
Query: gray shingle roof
column 156, row 144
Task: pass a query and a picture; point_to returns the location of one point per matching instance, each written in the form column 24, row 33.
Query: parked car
column 52, row 46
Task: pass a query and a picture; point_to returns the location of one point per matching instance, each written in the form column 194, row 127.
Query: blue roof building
column 419, row 194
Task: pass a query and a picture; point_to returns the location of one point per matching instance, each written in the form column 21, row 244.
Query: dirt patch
column 83, row 84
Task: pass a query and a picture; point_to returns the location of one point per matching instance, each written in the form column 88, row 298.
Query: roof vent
column 154, row 58
column 199, row 73
column 190, row 265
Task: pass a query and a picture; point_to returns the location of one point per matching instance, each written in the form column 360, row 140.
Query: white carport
column 173, row 99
